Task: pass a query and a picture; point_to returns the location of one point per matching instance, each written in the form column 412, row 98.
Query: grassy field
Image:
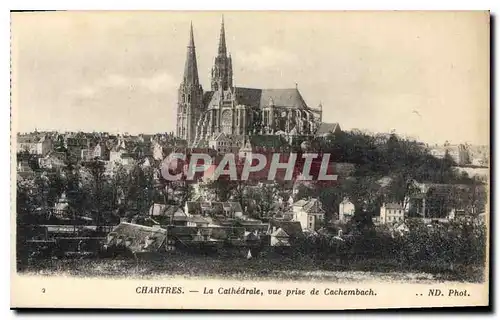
column 239, row 268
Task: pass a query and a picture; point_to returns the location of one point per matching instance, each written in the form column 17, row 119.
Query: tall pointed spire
column 191, row 67
column 222, row 72
column 191, row 36
column 222, row 39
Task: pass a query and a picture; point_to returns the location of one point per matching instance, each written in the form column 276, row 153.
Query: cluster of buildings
column 213, row 224
column 463, row 154
column 414, row 206
column 226, row 118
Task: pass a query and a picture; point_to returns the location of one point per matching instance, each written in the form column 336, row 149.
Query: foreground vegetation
column 239, row 268
column 454, row 252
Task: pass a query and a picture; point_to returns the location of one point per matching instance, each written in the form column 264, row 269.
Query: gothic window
column 227, row 122
column 189, row 98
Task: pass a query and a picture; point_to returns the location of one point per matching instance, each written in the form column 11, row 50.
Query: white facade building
column 346, row 210
column 309, row 213
column 391, row 212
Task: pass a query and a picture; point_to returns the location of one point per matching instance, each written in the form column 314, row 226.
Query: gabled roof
column 56, row 155
column 326, row 128
column 219, row 137
column 292, row 228
column 214, row 207
column 138, row 235
column 280, row 233
column 393, row 206
column 312, row 205
column 300, row 203
column 30, row 138
column 159, row 209
column 250, row 236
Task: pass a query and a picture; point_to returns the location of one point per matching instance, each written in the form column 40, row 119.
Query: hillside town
column 108, row 189
column 105, row 194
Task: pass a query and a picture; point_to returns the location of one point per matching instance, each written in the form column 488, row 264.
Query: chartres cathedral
column 236, row 111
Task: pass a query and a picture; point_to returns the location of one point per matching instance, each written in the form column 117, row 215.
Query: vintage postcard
column 250, row 160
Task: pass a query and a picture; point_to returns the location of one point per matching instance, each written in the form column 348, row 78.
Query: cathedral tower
column 222, row 71
column 190, row 95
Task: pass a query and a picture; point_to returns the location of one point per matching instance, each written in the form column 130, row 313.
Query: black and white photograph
column 298, row 159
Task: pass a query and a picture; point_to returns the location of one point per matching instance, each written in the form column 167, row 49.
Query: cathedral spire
column 191, row 67
column 222, row 72
column 222, row 39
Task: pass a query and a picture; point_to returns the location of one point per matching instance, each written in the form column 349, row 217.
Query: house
column 119, row 156
column 38, row 144
column 145, row 138
column 158, row 150
column 460, row 153
column 391, row 212
column 228, row 209
column 283, row 232
column 100, row 151
column 137, row 238
column 147, row 162
column 456, row 214
column 346, row 210
column 326, row 129
column 115, row 154
column 168, row 213
column 279, row 238
column 53, row 160
column 197, row 221
column 221, row 143
column 75, row 144
column 309, row 213
column 24, row 166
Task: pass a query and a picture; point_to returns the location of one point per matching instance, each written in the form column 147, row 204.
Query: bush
column 436, row 247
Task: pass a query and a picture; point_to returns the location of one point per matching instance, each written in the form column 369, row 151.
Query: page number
column 43, row 290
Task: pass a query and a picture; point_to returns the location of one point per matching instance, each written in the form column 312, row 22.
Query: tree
column 330, row 197
column 262, row 201
column 304, row 192
column 96, row 169
column 222, row 188
column 365, row 193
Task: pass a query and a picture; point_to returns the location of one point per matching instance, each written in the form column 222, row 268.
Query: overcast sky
column 420, row 74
